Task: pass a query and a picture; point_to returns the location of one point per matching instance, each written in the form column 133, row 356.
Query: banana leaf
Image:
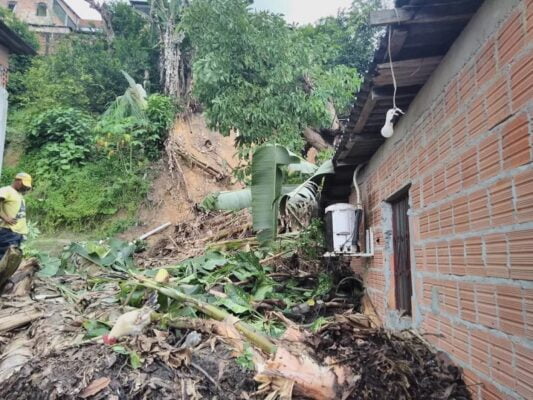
column 307, row 193
column 235, row 200
column 267, row 179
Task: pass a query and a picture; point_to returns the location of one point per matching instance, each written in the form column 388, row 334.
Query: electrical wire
column 392, row 71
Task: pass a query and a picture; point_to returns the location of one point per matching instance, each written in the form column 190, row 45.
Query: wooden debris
column 8, row 265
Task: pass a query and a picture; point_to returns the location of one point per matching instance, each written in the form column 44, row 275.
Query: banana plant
column 268, row 196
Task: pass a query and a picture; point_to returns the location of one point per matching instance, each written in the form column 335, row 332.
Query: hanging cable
column 392, row 71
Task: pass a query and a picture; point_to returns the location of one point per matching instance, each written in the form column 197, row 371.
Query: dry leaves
column 95, row 387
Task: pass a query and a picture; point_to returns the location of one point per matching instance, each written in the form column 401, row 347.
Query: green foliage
column 95, row 328
column 347, row 39
column 267, row 179
column 19, row 27
column 58, row 125
column 18, row 64
column 312, row 242
column 134, row 44
column 256, row 75
column 246, row 359
column 85, row 197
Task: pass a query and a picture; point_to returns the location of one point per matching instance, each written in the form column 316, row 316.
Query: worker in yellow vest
column 13, row 224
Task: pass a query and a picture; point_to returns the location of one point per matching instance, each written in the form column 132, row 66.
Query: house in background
column 10, row 43
column 50, row 20
column 450, row 195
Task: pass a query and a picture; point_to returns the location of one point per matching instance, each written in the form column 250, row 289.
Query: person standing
column 13, row 224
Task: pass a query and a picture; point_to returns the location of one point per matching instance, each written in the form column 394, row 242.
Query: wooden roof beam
column 423, row 14
column 365, row 113
column 386, row 93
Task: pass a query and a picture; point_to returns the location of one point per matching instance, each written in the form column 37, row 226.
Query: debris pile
column 229, row 325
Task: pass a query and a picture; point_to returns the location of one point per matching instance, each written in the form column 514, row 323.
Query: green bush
column 59, row 125
column 85, row 198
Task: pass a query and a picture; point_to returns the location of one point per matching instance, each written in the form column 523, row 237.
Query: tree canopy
column 263, row 78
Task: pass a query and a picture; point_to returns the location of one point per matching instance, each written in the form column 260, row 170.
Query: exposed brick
column 474, row 257
column 451, row 98
column 510, row 311
column 477, row 118
column 486, row 305
column 490, row 392
column 478, row 207
column 453, row 178
column 461, row 341
column 460, row 214
column 486, row 63
column 459, row 132
column 498, row 104
column 439, row 187
column 427, row 190
column 529, row 22
column 501, row 203
column 515, row 143
column 431, row 258
column 479, row 351
column 443, row 258
column 467, row 301
column 497, row 255
column 446, row 219
column 522, row 82
column 467, row 82
column 510, row 39
column 469, row 168
column 521, row 250
column 489, row 157
column 524, row 371
column 457, row 257
column 414, row 194
column 528, row 308
column 523, row 184
column 501, row 351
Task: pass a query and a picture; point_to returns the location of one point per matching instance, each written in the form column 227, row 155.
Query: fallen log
column 8, row 265
column 19, row 319
column 282, row 369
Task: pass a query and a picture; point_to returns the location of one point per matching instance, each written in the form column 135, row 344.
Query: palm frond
column 131, row 104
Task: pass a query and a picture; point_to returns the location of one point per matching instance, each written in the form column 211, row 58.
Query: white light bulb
column 387, row 129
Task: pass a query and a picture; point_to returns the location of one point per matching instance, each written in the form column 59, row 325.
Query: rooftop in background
column 13, row 42
column 422, row 32
column 141, row 5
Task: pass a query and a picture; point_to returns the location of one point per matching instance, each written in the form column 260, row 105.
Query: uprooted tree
column 268, row 80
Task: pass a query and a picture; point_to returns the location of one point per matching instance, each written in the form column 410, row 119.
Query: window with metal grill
column 402, row 259
column 41, row 10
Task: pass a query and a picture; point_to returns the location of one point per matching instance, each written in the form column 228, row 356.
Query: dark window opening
column 402, row 259
column 11, row 5
column 41, row 10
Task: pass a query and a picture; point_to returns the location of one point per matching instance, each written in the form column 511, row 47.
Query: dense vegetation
column 89, row 131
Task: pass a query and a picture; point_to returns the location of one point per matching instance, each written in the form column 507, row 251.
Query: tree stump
column 9, row 264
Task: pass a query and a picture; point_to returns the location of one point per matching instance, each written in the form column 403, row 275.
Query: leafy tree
column 174, row 48
column 256, row 75
column 347, row 38
column 82, row 73
column 135, row 45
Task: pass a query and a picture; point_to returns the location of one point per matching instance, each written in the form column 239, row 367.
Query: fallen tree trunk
column 316, row 140
column 8, row 265
column 282, row 370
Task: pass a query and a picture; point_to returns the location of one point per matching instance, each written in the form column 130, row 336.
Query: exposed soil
column 167, row 201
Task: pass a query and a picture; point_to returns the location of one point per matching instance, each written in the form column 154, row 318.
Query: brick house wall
column 465, row 147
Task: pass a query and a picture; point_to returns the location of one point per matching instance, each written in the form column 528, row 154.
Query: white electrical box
column 342, row 226
column 341, row 235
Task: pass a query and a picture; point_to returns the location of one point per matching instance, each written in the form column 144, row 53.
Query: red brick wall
column 469, row 160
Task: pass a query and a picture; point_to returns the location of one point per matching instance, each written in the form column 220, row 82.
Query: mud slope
column 167, row 200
